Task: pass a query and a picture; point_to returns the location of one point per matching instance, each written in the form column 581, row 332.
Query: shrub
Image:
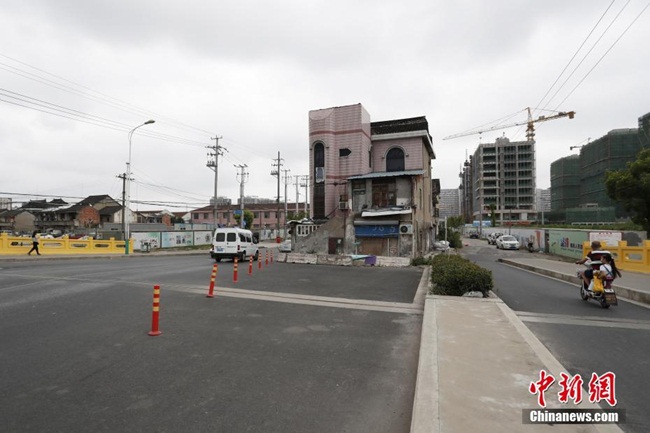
column 419, row 261
column 454, row 275
column 455, row 240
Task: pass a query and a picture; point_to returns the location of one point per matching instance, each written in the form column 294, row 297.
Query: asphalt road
column 584, row 337
column 291, row 348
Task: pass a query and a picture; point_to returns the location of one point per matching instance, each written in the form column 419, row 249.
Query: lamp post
column 127, row 190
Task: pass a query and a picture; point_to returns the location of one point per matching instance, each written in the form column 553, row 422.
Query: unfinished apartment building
column 502, row 177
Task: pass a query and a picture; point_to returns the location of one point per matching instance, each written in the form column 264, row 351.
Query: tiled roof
column 110, row 210
column 94, row 199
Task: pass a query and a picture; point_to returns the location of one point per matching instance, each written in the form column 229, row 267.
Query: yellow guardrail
column 15, row 245
column 636, row 259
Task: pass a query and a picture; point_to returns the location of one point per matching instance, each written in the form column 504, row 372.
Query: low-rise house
column 372, row 188
column 17, row 221
column 266, row 215
column 59, row 217
column 154, row 217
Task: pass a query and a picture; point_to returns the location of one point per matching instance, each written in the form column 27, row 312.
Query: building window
column 395, row 159
column 206, row 216
column 319, row 162
column 267, row 215
column 195, row 216
column 384, row 192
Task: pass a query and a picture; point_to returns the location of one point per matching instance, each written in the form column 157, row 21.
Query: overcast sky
column 250, row 71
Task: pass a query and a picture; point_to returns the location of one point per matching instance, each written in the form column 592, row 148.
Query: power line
column 539, row 104
column 605, row 54
column 60, row 83
column 80, row 116
column 575, row 69
column 102, row 98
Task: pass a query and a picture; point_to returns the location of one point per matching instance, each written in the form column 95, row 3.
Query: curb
column 426, row 417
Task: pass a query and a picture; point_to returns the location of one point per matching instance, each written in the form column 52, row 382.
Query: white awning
column 385, row 212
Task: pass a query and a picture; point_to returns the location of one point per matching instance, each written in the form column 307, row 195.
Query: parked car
column 231, row 242
column 285, row 247
column 508, row 242
column 492, row 238
column 473, row 235
column 441, row 245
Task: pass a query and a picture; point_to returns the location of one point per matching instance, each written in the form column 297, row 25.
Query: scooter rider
column 593, row 256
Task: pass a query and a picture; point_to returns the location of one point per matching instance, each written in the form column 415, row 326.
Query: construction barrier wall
column 636, row 259
column 15, row 245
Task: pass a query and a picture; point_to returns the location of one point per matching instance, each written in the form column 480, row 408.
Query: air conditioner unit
column 406, row 229
column 343, row 205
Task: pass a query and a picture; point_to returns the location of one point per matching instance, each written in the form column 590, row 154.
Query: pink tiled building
column 373, row 182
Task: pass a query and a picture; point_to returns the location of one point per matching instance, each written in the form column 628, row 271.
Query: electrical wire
column 605, row 54
column 575, row 69
column 102, row 98
column 80, row 116
column 70, row 86
column 541, row 102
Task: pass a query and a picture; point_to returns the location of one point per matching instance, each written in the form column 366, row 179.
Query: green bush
column 455, row 240
column 421, row 261
column 454, row 275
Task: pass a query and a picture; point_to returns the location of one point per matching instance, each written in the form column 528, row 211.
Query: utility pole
column 243, row 178
column 123, row 177
column 213, row 164
column 297, row 194
column 305, row 184
column 277, row 167
column 286, row 185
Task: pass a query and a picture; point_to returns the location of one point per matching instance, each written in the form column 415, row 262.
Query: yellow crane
column 530, row 125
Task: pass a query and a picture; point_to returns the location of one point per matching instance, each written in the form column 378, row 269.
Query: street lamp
column 127, row 188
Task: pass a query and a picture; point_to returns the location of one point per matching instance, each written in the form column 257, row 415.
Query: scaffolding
column 610, row 152
column 565, row 182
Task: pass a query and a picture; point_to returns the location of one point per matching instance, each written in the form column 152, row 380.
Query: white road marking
column 604, row 322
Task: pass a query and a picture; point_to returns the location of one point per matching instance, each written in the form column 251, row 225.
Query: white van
column 231, row 242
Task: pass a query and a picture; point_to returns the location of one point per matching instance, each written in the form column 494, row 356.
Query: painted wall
column 171, row 239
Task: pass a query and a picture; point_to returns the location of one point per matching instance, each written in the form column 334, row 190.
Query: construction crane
column 530, row 125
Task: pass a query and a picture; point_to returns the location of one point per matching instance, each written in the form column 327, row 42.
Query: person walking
column 34, row 244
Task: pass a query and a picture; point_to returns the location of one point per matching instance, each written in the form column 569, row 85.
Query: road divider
column 155, row 315
column 213, row 278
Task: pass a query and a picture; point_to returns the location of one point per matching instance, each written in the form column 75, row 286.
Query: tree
column 248, row 219
column 453, row 235
column 292, row 215
column 631, row 187
column 455, row 222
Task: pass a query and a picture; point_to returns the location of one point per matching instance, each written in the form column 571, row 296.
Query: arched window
column 318, row 203
column 319, row 162
column 395, row 159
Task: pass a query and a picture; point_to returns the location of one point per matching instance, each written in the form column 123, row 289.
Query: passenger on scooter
column 608, row 270
column 593, row 256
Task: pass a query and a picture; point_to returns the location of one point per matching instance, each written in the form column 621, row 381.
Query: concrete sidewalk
column 477, row 360
column 632, row 285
